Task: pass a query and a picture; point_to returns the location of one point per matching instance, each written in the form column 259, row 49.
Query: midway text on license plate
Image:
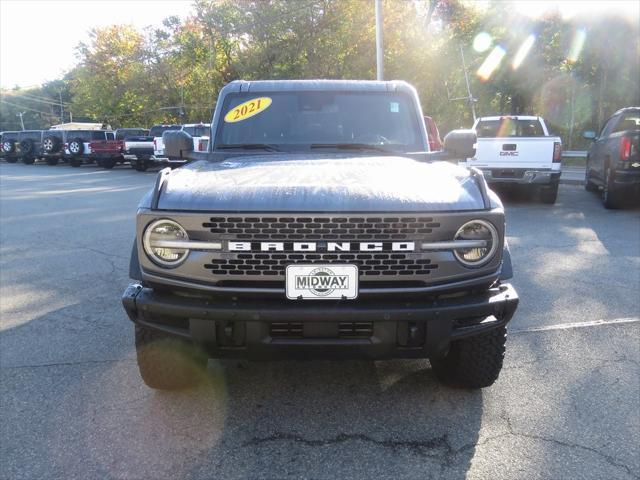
column 320, row 282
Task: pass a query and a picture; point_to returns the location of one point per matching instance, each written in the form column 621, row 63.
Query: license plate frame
column 322, row 282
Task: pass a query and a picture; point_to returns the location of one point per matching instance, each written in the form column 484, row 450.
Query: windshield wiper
column 349, row 146
column 269, row 147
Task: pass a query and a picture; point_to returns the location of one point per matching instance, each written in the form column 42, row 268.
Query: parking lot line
column 565, row 326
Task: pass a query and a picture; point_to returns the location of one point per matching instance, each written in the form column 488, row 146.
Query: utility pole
column 466, row 79
column 61, row 107
column 469, row 98
column 181, row 112
column 21, row 120
column 379, row 44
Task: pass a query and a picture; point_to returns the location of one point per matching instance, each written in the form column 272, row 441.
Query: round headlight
column 477, row 230
column 161, row 243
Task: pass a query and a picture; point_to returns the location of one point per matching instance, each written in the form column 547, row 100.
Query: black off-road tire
column 108, row 163
column 611, row 197
column 11, row 159
column 473, row 362
column 28, row 160
column 51, row 144
column 549, row 195
column 140, row 165
column 75, row 162
column 52, row 161
column 167, row 363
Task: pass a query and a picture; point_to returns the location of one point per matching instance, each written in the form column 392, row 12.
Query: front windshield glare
column 302, row 120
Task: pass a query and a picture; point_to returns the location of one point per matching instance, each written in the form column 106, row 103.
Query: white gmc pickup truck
column 518, row 150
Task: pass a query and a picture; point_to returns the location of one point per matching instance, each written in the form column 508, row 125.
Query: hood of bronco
column 314, row 183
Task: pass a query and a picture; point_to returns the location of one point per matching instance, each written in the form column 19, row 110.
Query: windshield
column 303, row 120
column 509, row 127
column 630, row 121
column 158, row 130
column 122, row 134
column 199, row 131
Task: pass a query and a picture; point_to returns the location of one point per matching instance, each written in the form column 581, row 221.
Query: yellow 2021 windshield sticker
column 247, row 109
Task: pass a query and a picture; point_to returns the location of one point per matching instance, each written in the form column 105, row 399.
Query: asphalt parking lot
column 567, row 404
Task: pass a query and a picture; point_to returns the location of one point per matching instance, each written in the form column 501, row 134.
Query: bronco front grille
column 363, row 228
column 369, row 264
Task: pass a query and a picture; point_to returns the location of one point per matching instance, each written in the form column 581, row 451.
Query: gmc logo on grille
column 321, row 246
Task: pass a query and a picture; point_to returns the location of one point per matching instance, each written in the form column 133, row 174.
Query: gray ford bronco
column 319, row 224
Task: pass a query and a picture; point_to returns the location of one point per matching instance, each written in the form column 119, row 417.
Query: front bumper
column 408, row 327
column 521, row 176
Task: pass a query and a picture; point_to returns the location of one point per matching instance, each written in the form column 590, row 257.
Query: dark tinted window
column 123, row 133
column 509, row 127
column 159, row 129
column 111, row 135
column 35, row 135
column 54, row 133
column 302, row 118
column 629, row 121
column 10, row 136
column 86, row 135
column 197, row 131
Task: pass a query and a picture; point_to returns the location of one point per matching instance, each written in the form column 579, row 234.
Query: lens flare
column 491, row 63
column 576, row 45
column 523, row 51
column 482, row 42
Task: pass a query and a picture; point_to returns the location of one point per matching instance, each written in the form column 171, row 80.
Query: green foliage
column 173, row 73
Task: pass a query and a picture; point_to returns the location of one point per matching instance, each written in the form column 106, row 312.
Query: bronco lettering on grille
column 321, row 246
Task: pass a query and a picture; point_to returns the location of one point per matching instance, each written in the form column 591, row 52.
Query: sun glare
column 577, row 43
column 491, row 63
column 523, row 51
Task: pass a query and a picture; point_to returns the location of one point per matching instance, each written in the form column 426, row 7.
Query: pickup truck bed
column 518, row 151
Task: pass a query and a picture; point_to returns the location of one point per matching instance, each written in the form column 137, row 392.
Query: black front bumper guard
column 403, row 327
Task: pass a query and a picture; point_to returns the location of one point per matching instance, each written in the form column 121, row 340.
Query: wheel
column 52, row 161
column 51, row 144
column 167, row 363
column 8, row 146
column 27, row 146
column 107, row 163
column 11, row 159
column 28, row 160
column 473, row 362
column 589, row 186
column 611, row 198
column 140, row 165
column 75, row 162
column 76, row 146
column 549, row 194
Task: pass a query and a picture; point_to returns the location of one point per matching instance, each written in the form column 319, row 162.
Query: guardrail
column 575, row 154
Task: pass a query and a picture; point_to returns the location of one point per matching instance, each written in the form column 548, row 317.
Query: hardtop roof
column 320, row 85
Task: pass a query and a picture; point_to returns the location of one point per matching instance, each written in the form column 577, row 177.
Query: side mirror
column 177, row 144
column 589, row 135
column 460, row 144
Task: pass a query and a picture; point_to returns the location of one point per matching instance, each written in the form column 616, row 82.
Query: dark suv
column 30, row 145
column 613, row 161
column 318, row 223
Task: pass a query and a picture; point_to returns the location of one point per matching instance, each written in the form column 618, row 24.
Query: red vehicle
column 435, row 143
column 108, row 153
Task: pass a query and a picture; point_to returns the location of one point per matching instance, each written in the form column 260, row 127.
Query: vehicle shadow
column 94, row 418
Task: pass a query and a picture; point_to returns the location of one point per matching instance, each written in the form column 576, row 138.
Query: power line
column 27, row 108
column 32, row 99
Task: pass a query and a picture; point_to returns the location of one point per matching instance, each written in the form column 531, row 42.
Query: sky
column 45, row 48
column 38, row 37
